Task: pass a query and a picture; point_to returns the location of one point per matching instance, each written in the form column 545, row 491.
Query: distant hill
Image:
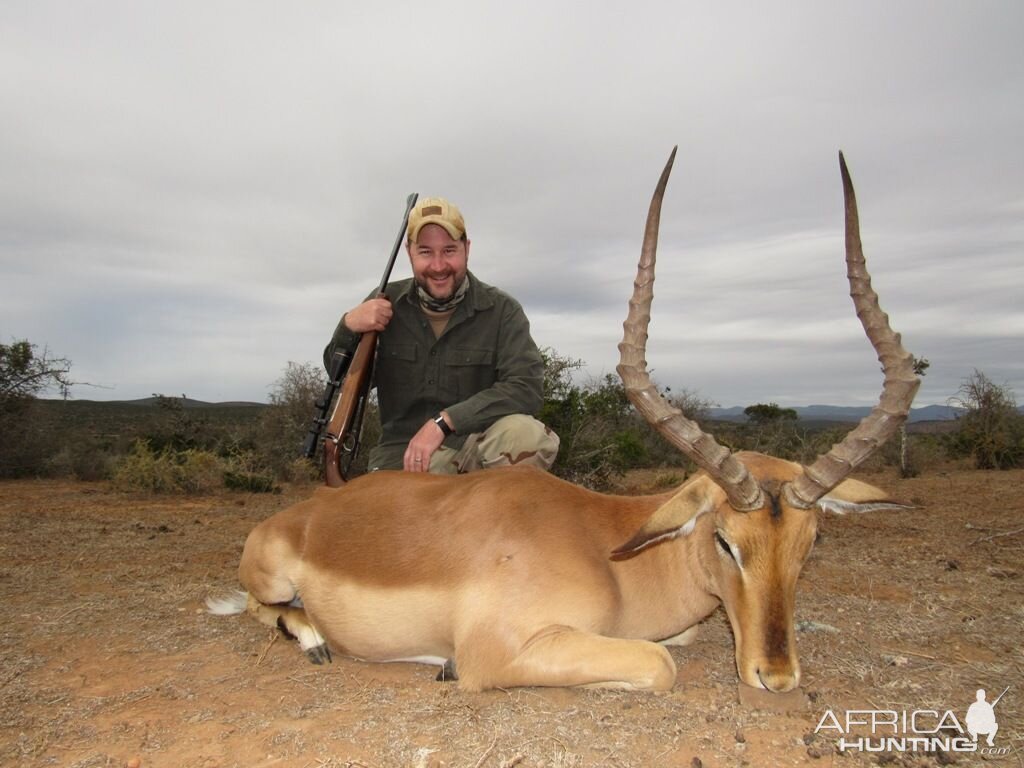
column 809, row 413
column 849, row 414
column 187, row 402
column 115, row 424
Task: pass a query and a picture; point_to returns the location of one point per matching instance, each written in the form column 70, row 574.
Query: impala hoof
column 447, row 673
column 319, row 654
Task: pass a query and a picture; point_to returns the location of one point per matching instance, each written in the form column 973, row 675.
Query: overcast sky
column 191, row 193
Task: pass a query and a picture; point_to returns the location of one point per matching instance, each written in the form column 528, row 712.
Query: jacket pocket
column 397, row 374
column 398, row 352
column 473, row 370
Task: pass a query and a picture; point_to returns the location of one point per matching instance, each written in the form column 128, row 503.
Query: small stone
column 806, row 625
column 740, row 737
column 759, row 698
column 696, row 763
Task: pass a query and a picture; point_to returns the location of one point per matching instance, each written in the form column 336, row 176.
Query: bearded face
column 438, row 262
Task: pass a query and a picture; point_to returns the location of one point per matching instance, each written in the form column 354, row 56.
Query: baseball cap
column 436, row 210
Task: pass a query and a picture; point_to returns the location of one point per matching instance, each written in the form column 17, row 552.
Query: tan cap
column 436, row 210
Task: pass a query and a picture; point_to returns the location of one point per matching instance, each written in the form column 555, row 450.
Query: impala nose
column 778, row 679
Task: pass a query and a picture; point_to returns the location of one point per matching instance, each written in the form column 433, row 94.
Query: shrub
column 244, row 471
column 249, row 482
column 601, row 433
column 991, row 430
column 189, row 471
column 81, row 460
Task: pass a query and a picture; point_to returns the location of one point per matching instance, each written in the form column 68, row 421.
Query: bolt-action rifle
column 351, row 373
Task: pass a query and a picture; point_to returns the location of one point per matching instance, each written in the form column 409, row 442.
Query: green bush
column 244, row 471
column 168, row 471
column 991, row 430
column 249, row 482
column 601, row 433
column 81, row 460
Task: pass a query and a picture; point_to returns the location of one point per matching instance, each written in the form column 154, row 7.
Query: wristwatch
column 439, row 420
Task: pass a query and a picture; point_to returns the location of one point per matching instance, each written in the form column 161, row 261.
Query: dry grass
column 108, row 656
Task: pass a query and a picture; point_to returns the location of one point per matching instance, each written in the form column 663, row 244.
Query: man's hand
column 422, row 447
column 371, row 315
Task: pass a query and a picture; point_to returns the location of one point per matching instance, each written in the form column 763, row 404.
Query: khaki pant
column 515, row 439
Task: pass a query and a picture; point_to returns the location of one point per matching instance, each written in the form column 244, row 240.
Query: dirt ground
column 108, row 658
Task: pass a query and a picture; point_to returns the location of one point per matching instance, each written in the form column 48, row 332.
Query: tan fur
column 508, row 572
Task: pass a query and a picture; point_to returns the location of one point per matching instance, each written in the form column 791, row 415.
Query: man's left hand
column 422, row 447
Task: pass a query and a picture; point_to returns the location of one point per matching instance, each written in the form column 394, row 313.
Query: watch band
column 439, row 420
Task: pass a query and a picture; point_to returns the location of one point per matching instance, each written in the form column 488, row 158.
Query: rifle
column 1000, row 696
column 351, row 372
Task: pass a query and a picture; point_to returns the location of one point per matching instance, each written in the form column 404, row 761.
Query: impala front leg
column 564, row 656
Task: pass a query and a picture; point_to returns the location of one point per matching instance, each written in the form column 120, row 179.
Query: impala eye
column 724, row 545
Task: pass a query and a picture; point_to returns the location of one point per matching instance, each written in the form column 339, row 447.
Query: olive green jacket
column 484, row 366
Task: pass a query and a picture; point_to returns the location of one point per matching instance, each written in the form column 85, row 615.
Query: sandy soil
column 108, row 658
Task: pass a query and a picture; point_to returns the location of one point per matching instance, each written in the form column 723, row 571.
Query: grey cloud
column 237, row 171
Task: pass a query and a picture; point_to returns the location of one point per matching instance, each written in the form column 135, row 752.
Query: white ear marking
column 841, row 507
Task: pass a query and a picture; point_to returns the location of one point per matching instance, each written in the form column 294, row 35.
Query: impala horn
column 899, row 389
column 722, row 467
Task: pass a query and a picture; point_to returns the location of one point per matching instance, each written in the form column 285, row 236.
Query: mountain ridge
column 815, row 412
column 846, row 413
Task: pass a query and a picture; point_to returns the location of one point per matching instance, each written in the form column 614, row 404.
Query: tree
column 775, row 430
column 25, row 373
column 283, row 426
column 991, row 429
column 907, row 469
column 762, row 414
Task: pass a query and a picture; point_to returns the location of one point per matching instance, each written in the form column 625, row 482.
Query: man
column 981, row 718
column 458, row 376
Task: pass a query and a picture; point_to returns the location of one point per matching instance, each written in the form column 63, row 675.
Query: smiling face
column 439, row 262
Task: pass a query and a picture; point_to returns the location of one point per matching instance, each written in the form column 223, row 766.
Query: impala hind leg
column 269, row 563
column 292, row 620
column 563, row 656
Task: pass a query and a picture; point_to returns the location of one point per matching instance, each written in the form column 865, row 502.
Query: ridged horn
column 899, row 388
column 721, row 466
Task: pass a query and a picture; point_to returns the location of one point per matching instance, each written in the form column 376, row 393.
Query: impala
column 513, row 577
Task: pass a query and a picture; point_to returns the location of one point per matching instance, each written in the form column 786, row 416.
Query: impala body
column 515, row 577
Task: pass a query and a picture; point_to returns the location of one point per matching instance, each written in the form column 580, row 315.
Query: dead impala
column 519, row 578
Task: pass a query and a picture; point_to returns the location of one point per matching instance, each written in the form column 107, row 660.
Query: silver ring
column 418, row 461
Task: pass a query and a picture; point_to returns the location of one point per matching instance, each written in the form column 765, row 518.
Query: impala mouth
column 777, row 682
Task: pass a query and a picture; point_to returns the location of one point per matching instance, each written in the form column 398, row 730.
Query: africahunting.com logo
column 918, row 730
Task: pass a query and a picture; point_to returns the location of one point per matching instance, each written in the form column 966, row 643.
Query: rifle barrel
column 410, row 201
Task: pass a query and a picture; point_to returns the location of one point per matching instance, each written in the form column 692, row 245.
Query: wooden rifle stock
column 342, row 430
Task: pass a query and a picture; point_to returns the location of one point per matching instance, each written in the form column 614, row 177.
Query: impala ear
column 855, row 496
column 676, row 517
